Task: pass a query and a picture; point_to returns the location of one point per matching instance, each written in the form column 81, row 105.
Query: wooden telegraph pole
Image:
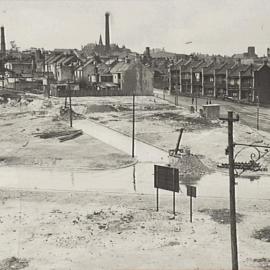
column 133, row 124
column 234, row 251
column 258, row 113
column 48, row 81
column 196, row 100
column 70, row 106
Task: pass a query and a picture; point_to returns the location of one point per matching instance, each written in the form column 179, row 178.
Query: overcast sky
column 213, row 26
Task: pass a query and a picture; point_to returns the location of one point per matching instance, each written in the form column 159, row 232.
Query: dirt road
column 247, row 113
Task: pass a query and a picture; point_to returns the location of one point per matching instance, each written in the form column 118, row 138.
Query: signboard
column 191, row 191
column 166, row 178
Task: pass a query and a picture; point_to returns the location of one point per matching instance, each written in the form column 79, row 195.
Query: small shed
column 211, row 111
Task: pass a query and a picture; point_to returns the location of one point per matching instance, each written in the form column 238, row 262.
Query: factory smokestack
column 107, row 31
column 3, row 42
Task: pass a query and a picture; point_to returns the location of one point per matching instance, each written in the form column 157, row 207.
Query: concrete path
column 143, row 152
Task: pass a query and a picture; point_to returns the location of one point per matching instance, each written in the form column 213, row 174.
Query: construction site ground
column 158, row 122
column 99, row 230
column 21, row 121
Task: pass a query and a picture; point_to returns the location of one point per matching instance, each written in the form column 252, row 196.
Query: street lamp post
column 15, row 83
column 196, row 101
column 133, row 124
column 258, row 112
column 70, row 106
column 3, row 77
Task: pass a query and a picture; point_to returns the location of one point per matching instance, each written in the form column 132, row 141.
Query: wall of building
column 64, row 73
column 88, row 71
column 262, row 84
column 138, row 79
column 19, row 67
column 144, row 80
column 30, row 86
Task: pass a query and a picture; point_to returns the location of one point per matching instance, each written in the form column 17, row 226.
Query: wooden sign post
column 166, row 178
column 191, row 192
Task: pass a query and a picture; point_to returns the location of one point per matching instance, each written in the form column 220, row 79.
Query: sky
column 213, row 26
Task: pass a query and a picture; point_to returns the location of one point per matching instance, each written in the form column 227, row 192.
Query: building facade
column 219, row 80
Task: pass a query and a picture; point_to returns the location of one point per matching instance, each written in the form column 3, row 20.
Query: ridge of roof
column 121, row 67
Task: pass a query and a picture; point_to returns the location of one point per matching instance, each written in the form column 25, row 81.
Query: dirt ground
column 20, row 147
column 116, row 231
column 98, row 230
column 158, row 123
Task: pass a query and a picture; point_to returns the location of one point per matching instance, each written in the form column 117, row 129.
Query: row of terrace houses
column 223, row 79
column 61, row 65
column 94, row 73
column 126, row 76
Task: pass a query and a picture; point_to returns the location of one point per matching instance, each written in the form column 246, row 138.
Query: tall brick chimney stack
column 3, row 42
column 107, row 31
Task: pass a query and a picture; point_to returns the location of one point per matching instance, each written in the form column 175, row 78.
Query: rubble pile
column 190, row 123
column 93, row 108
column 189, row 165
column 46, row 104
column 13, row 263
column 262, row 234
column 65, row 114
column 221, row 216
column 264, row 263
column 63, row 135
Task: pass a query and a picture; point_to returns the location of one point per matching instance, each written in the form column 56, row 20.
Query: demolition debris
column 61, row 135
column 13, row 263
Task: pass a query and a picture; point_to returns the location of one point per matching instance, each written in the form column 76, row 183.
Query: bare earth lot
column 97, row 230
column 111, row 231
column 158, row 123
column 20, row 146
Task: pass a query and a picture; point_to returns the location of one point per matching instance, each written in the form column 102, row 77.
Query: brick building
column 262, row 84
column 220, row 79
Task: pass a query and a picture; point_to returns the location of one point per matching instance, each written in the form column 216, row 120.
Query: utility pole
column 3, row 78
column 176, row 97
column 48, row 80
column 234, row 251
column 15, row 83
column 196, row 101
column 133, row 124
column 70, row 107
column 258, row 112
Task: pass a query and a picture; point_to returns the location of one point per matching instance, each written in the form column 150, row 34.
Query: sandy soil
column 111, row 231
column 19, row 146
column 72, row 230
column 158, row 123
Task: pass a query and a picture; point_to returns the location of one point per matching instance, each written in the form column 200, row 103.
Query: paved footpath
column 143, row 152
